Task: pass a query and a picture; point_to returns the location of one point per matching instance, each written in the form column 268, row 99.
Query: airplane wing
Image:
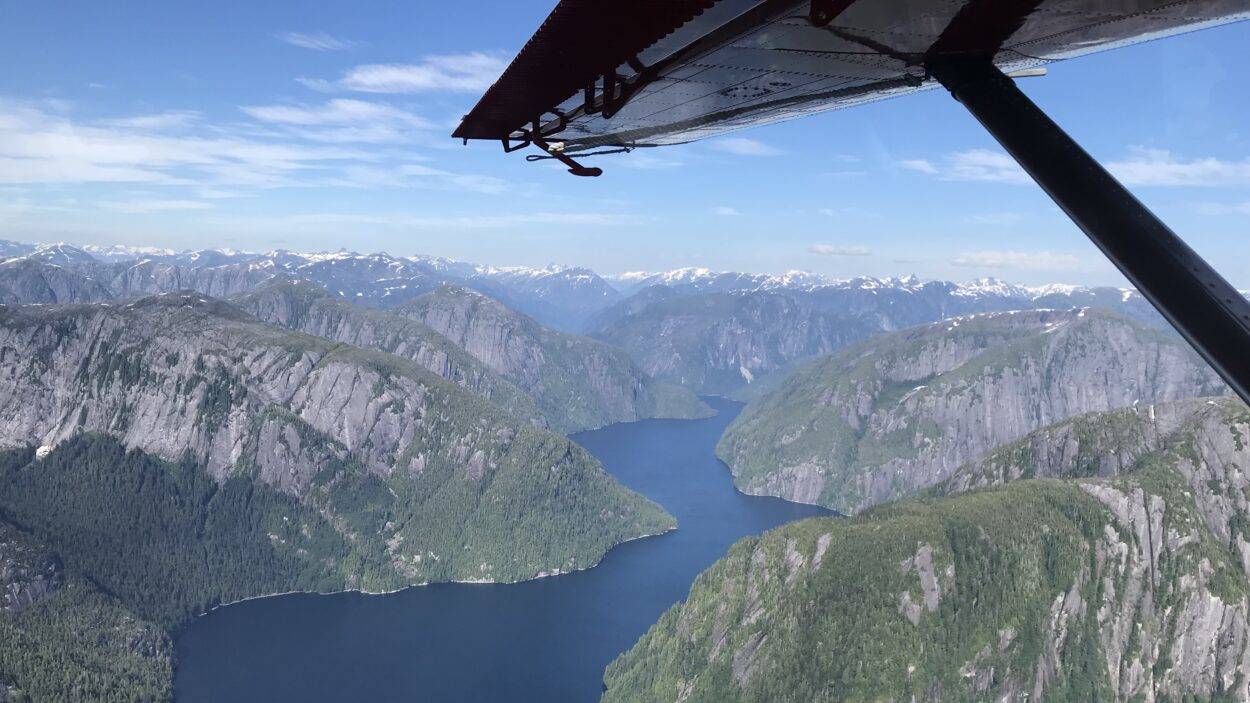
column 651, row 72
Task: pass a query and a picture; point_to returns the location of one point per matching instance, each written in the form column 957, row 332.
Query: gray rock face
column 1120, row 580
column 307, row 308
column 718, row 333
column 1167, row 625
column 183, row 374
column 29, row 571
column 582, row 382
column 901, row 412
column 25, row 281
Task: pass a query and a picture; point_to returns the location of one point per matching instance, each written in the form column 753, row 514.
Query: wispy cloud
column 1224, row 208
column 150, row 206
column 335, row 112
column 919, row 165
column 725, row 211
column 1160, row 167
column 472, row 72
column 839, row 250
column 847, row 211
column 438, row 223
column 995, row 219
column 317, row 41
column 971, row 165
column 741, row 146
column 1018, row 260
column 174, row 119
column 39, row 145
column 1143, row 167
column 646, row 162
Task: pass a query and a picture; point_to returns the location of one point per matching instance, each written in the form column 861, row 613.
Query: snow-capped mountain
column 716, row 332
column 564, row 296
column 558, row 296
column 121, row 252
column 9, row 250
column 704, row 280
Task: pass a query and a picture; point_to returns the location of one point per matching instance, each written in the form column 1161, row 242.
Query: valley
column 188, row 433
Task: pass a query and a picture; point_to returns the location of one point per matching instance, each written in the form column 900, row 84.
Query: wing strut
column 1205, row 308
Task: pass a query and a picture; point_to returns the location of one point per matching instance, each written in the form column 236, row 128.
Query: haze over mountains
column 712, row 332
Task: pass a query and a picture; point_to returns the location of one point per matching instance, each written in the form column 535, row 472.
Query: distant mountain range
column 721, row 340
column 714, row 332
column 558, row 296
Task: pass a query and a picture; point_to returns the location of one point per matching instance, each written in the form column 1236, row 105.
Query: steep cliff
column 306, row 307
column 1131, row 587
column 425, row 480
column 24, row 281
column 890, row 416
column 582, row 382
column 719, row 332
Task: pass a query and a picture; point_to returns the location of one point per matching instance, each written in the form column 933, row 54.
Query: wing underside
column 669, row 71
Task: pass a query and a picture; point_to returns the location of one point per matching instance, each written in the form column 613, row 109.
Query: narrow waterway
column 545, row 640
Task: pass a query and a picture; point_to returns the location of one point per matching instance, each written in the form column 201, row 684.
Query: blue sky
column 324, row 125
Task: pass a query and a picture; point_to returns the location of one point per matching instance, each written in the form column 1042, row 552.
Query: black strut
column 1212, row 315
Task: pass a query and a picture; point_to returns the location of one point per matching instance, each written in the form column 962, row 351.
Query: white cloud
column 839, row 250
column 646, row 162
column 847, row 211
column 1224, row 208
column 740, row 146
column 473, row 72
column 995, row 219
column 340, row 111
column 725, row 211
column 1159, row 167
column 174, row 119
column 984, row 165
column 41, row 146
column 971, row 165
column 317, row 41
column 149, row 206
column 1144, row 167
column 344, row 121
column 428, row 222
column 1021, row 260
column 38, row 146
column 920, row 165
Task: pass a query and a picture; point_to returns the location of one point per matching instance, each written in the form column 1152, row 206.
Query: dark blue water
column 545, row 640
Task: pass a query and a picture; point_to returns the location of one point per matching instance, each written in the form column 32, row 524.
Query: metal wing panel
column 740, row 63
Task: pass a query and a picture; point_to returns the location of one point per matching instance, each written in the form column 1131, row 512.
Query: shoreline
column 423, row 584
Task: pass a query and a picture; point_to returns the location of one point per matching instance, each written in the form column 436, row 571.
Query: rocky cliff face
column 893, row 415
column 183, row 375
column 1130, row 587
column 24, row 281
column 722, row 332
column 717, row 342
column 582, row 382
column 305, row 307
